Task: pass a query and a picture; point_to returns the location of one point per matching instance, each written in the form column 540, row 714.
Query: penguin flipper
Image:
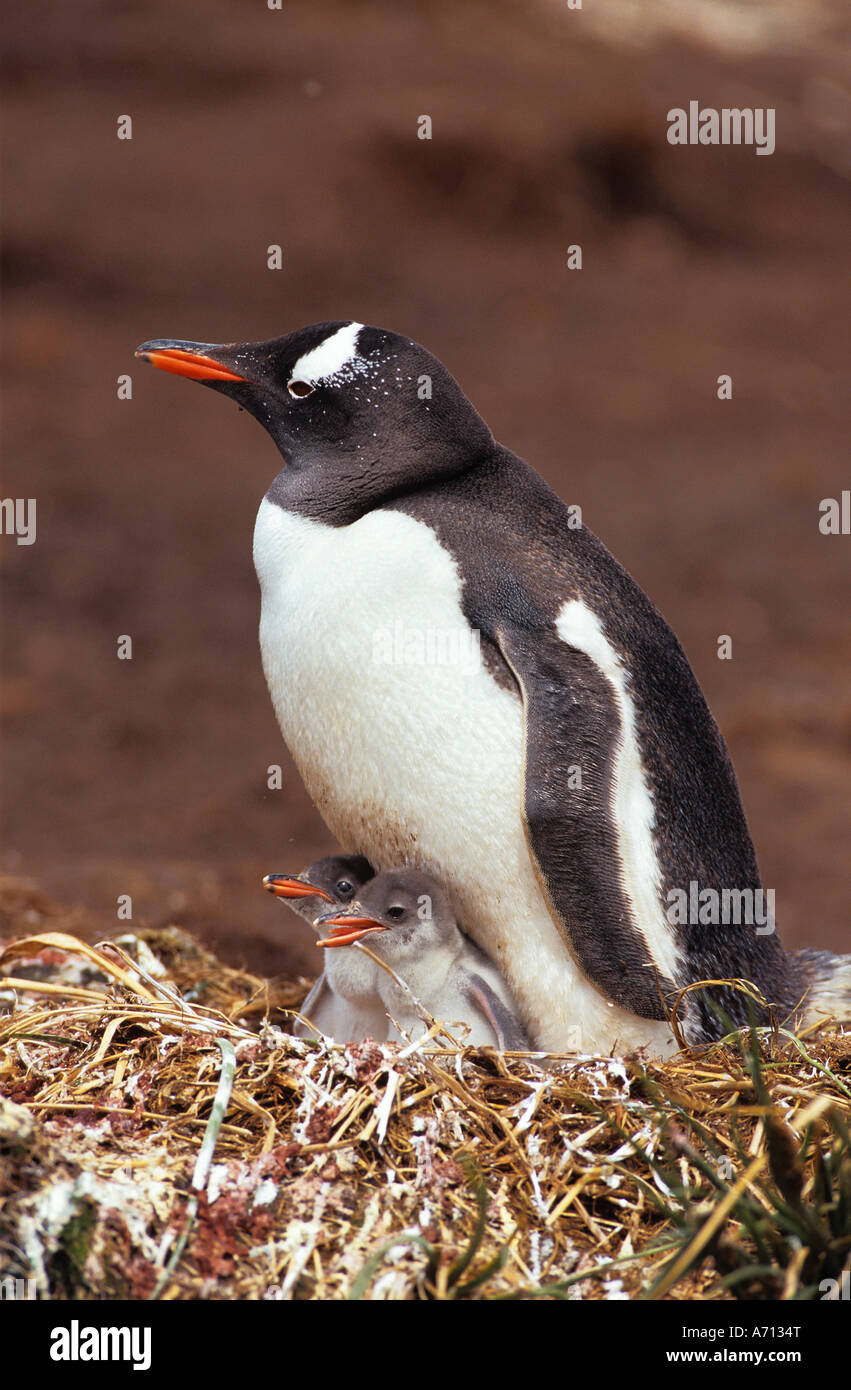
column 509, row 1034
column 317, row 1004
column 572, row 725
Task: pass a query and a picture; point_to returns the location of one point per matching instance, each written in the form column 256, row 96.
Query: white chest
column 404, row 741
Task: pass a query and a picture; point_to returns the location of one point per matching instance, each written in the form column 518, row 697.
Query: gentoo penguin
column 409, row 921
column 470, row 684
column 334, row 879
column 347, row 1006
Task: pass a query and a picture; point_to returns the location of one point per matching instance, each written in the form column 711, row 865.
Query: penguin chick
column 411, row 927
column 351, row 1011
column 332, row 881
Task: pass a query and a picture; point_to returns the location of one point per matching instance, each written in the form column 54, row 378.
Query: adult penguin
column 471, row 685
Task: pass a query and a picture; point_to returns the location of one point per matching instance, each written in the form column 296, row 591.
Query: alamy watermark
column 403, row 645
column 83, row 1343
column 725, row 907
column 731, row 125
column 16, row 1290
column 17, row 518
column 835, row 519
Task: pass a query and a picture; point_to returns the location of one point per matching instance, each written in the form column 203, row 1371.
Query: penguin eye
column 395, row 913
column 300, row 388
column 343, row 889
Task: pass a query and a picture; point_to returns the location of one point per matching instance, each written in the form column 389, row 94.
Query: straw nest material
column 163, row 1135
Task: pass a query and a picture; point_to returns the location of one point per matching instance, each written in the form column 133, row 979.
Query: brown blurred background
column 298, row 127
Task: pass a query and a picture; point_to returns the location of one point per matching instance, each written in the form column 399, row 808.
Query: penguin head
column 408, row 911
column 340, row 875
column 329, row 882
column 359, row 414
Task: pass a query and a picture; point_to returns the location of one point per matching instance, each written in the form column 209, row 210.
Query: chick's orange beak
column 345, row 930
column 285, row 886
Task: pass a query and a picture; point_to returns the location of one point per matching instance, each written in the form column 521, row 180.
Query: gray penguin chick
column 409, row 923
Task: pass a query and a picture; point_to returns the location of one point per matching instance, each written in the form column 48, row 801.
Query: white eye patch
column 336, row 356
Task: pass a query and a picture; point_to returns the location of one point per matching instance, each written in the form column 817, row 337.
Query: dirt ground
column 254, row 127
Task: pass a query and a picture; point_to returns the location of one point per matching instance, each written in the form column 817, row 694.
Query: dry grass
column 163, row 1135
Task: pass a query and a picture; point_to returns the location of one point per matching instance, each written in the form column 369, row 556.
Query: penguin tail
column 824, row 985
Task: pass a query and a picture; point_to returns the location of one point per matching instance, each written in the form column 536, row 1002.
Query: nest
column 163, row 1135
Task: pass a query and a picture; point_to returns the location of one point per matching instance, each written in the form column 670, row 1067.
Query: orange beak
column 183, row 362
column 345, row 930
column 283, row 886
